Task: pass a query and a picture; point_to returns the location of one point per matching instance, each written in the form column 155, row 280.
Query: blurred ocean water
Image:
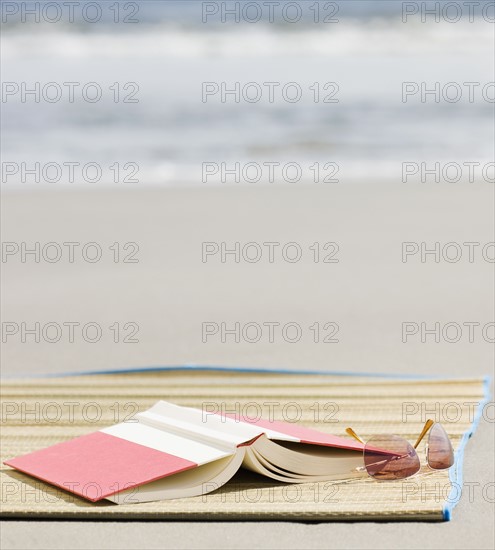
column 162, row 114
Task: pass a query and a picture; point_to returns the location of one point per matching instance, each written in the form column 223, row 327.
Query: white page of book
column 195, row 482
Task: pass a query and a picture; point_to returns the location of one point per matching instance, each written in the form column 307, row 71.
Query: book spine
column 190, row 431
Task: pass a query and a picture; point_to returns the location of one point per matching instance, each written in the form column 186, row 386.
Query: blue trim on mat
column 244, row 369
column 456, row 472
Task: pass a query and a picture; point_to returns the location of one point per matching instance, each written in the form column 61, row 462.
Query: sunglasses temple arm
column 424, row 431
column 353, row 434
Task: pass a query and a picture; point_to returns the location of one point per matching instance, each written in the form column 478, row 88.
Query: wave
column 350, row 36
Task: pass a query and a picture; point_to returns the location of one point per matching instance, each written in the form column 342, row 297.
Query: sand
column 171, row 291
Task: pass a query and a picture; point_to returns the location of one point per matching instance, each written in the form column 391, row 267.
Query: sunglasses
column 389, row 457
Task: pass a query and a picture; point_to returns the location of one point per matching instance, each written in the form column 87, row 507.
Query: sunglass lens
column 440, row 454
column 389, row 457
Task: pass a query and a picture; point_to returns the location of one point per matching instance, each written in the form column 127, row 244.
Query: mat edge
column 250, row 370
column 456, row 474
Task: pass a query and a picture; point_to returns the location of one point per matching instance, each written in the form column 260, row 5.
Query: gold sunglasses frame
column 428, row 424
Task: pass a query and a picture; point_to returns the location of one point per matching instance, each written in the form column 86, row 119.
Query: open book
column 172, row 452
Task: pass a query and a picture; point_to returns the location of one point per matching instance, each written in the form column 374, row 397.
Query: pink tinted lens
column 440, row 454
column 390, row 457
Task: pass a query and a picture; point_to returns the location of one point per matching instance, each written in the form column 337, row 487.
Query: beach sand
column 171, row 292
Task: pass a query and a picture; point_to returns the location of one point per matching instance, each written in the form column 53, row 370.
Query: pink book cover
column 97, row 465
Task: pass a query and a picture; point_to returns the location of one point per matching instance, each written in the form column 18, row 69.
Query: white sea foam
column 350, row 36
